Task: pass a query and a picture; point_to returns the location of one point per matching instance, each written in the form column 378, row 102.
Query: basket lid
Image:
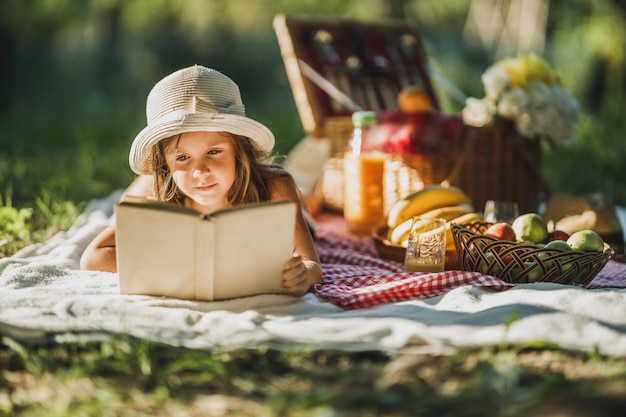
column 368, row 62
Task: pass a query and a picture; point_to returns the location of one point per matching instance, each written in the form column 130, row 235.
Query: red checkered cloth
column 355, row 276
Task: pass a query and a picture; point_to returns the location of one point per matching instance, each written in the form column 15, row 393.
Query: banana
column 465, row 218
column 428, row 198
column 401, row 231
column 450, row 212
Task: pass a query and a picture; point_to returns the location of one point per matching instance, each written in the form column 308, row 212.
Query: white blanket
column 42, row 293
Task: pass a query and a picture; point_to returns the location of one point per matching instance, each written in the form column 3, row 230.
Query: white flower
column 539, row 95
column 526, row 91
column 526, row 124
column 548, row 121
column 477, row 112
column 495, row 80
column 512, row 103
column 566, row 103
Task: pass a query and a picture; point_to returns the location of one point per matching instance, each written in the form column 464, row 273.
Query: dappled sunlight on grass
column 124, row 376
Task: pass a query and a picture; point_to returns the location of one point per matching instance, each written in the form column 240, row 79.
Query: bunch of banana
column 449, row 203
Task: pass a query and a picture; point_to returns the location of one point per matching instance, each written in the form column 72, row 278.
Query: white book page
column 251, row 250
column 155, row 252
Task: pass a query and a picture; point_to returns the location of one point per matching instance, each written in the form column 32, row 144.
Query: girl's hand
column 298, row 275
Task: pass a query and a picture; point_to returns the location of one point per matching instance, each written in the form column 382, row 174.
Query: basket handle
column 456, row 169
column 536, row 171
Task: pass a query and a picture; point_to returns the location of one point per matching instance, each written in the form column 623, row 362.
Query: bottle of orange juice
column 363, row 169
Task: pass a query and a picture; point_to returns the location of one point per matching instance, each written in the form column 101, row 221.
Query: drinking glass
column 426, row 249
column 500, row 211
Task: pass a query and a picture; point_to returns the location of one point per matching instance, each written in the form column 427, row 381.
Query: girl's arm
column 100, row 254
column 304, row 268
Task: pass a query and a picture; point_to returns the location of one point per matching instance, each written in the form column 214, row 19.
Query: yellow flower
column 527, row 68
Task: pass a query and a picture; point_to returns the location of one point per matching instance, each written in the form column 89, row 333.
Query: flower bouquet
column 528, row 92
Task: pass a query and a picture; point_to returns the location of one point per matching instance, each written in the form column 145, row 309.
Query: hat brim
column 141, row 149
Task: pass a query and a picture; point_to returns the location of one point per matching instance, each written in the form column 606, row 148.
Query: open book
column 168, row 250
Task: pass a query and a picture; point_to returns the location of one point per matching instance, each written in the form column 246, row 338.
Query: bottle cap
column 364, row 117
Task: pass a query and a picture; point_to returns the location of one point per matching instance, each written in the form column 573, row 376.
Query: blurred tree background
column 75, row 75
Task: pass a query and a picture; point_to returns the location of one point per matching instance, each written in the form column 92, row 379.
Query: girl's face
column 203, row 167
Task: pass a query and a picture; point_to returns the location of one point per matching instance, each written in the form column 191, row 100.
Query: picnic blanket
column 363, row 303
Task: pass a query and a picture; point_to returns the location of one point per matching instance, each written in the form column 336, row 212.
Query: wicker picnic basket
column 521, row 262
column 488, row 163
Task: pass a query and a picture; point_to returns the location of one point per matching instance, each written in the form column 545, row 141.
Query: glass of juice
column 426, row 249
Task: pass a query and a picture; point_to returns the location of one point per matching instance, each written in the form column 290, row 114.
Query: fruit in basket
column 558, row 244
column 484, row 265
column 586, row 240
column 501, row 231
column 413, row 99
column 533, row 271
column 429, row 198
column 558, row 235
column 530, row 227
column 463, row 219
column 513, row 256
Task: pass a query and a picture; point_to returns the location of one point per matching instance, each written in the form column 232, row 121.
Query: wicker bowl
column 521, row 262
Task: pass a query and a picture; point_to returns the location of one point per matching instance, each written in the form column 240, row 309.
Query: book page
column 252, row 245
column 155, row 251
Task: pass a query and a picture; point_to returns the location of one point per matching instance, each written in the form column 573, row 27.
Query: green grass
column 25, row 226
column 123, row 376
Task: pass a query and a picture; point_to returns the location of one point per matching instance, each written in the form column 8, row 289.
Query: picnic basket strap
column 460, row 161
column 544, row 186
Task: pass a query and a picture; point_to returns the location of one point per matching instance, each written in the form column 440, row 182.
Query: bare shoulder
column 142, row 186
column 281, row 185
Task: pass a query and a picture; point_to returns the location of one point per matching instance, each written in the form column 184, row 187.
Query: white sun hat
column 194, row 99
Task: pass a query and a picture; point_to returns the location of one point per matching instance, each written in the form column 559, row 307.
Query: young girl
column 200, row 150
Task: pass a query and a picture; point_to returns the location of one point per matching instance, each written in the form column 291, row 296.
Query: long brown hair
column 251, row 173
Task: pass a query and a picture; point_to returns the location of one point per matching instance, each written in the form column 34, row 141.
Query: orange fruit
column 414, row 99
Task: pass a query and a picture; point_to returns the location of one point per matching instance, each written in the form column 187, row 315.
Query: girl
column 200, row 150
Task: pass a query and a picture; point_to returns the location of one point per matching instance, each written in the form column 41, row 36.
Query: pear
column 530, row 227
column 586, row 240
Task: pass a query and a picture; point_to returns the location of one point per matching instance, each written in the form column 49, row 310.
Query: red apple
column 508, row 258
column 501, row 231
column 558, row 235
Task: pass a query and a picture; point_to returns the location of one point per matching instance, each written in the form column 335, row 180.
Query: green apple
column 586, row 240
column 558, row 244
column 530, row 227
column 490, row 258
column 535, row 273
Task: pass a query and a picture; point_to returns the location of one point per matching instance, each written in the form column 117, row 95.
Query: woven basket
column 522, row 263
column 488, row 163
